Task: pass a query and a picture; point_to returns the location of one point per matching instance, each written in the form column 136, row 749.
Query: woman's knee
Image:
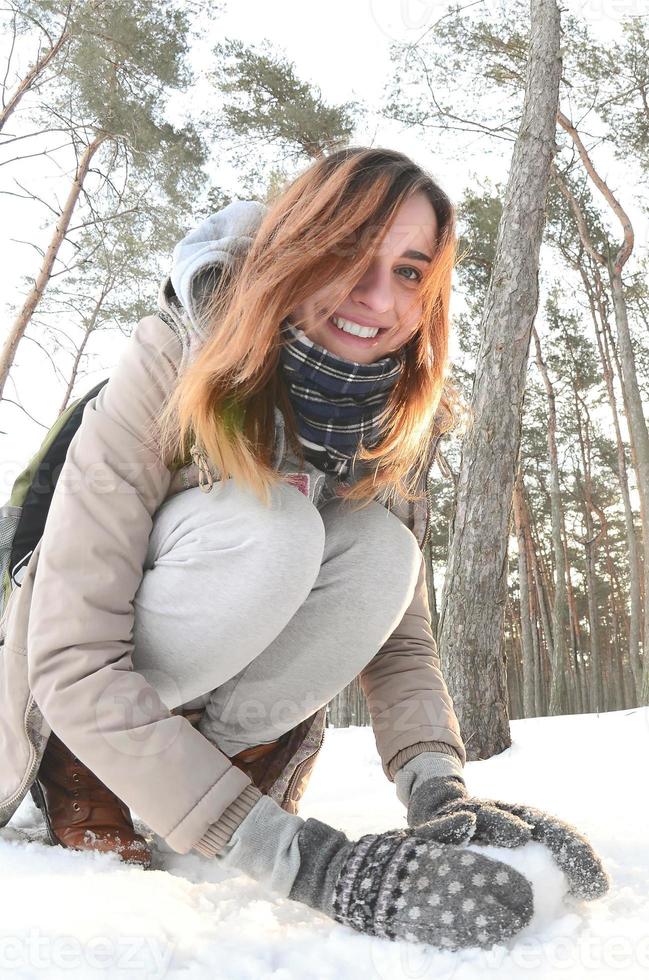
column 288, row 533
column 378, row 542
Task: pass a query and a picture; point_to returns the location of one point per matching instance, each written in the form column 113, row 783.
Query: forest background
column 123, row 124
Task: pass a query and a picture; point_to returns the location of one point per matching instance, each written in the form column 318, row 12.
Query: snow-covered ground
column 69, row 914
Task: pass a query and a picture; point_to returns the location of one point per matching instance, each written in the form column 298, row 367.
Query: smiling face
column 385, row 296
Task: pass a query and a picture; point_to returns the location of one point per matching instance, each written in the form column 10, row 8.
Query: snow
column 71, row 914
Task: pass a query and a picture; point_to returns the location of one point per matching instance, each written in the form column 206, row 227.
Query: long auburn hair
column 324, row 226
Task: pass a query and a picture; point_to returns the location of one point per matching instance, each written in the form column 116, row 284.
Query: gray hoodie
column 215, row 244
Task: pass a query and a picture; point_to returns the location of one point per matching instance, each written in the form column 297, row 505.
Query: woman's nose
column 375, row 291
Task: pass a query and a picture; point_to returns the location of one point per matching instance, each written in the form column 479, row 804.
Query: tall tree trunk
column 33, row 299
column 590, row 550
column 348, row 707
column 527, row 643
column 535, row 612
column 539, row 681
column 591, row 543
column 475, row 588
column 543, row 603
column 616, row 658
column 602, row 331
column 636, row 419
column 543, row 592
column 575, row 634
column 512, row 659
column 597, row 297
column 558, row 689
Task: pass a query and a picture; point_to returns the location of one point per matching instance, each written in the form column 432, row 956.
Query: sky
column 342, row 47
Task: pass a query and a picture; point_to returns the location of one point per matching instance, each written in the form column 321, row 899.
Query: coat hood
column 213, row 245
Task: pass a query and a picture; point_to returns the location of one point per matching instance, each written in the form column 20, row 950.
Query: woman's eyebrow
column 414, row 254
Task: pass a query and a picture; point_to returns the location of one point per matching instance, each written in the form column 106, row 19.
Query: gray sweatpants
column 261, row 615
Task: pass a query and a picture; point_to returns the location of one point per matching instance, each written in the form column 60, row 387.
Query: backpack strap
column 33, row 488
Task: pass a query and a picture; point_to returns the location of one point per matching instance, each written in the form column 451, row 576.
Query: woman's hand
column 442, row 810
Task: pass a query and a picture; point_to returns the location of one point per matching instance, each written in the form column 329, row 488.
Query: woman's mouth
column 353, row 339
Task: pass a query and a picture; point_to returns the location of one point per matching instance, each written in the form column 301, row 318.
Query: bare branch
column 578, row 214
column 9, row 57
column 455, row 12
column 99, row 220
column 466, row 125
column 21, row 241
column 29, row 156
column 57, row 370
column 22, row 409
column 31, row 195
column 54, row 329
column 37, row 69
column 27, row 136
column 627, row 228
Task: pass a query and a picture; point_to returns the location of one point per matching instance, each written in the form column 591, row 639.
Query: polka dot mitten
column 395, row 884
column 399, row 886
column 441, row 809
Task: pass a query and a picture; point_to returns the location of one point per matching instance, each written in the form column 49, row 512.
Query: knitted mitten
column 441, row 809
column 399, row 886
column 443, row 806
column 393, row 884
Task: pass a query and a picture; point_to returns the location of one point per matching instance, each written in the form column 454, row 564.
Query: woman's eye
column 410, row 269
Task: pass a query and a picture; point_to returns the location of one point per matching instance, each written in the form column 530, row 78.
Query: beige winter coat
column 67, row 655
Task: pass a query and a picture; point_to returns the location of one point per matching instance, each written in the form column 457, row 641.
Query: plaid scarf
column 337, row 403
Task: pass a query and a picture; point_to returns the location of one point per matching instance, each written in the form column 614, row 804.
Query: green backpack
column 22, row 518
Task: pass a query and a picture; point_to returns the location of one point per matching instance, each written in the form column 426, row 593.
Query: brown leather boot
column 80, row 811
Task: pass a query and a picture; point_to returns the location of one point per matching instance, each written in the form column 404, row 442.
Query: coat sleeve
column 91, row 562
column 404, row 687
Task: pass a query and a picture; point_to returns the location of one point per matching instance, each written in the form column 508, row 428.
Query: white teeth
column 349, row 327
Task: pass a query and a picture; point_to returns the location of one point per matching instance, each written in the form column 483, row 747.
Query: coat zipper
column 300, row 766
column 205, row 478
column 34, row 763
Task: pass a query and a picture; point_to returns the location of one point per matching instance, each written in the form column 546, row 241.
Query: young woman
column 236, row 534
